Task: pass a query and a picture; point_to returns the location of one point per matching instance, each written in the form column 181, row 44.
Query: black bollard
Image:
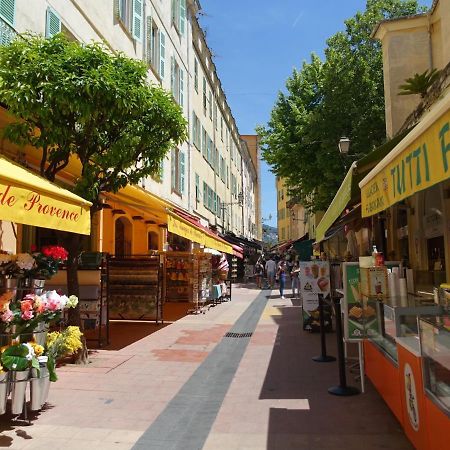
column 342, row 389
column 323, row 344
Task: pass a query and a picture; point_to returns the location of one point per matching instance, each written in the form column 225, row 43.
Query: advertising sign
column 314, row 280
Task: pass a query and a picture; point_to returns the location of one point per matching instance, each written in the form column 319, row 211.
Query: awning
column 30, row 199
column 419, row 161
column 349, row 189
column 183, row 226
column 238, row 251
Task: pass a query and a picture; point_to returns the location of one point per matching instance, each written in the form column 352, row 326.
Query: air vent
column 238, row 335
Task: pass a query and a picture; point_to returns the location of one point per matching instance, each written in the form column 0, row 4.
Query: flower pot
column 39, row 387
column 18, row 381
column 4, row 391
column 40, row 333
column 11, row 286
column 37, row 285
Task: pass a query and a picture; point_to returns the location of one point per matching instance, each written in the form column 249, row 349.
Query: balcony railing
column 7, row 32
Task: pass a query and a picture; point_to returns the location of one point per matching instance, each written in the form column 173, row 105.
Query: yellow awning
column 181, row 227
column 32, row 200
column 419, row 161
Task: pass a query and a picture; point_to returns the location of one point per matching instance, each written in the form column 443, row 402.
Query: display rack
column 179, row 277
column 133, row 287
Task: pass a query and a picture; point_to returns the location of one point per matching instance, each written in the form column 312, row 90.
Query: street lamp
column 344, row 145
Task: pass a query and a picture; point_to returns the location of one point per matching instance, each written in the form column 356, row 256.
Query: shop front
column 407, row 356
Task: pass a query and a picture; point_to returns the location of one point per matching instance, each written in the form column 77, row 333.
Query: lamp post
column 344, row 147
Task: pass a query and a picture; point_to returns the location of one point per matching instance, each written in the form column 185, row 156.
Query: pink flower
column 7, row 316
column 27, row 315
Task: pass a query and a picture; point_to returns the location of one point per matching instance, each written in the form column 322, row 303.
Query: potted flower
column 48, row 261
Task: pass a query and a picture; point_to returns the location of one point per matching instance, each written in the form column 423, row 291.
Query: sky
column 256, row 45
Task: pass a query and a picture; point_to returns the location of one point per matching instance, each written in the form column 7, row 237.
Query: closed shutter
column 162, row 54
column 117, row 9
column 181, row 172
column 181, row 90
column 194, row 128
column 53, row 23
column 197, row 187
column 149, row 41
column 7, row 11
column 182, row 16
column 205, row 195
column 172, row 75
column 137, row 19
column 173, row 170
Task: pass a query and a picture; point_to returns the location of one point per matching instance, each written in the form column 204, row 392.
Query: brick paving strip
column 187, row 420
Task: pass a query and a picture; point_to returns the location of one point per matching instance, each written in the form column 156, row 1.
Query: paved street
column 188, row 386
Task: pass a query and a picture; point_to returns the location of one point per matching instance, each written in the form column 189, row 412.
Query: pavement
column 238, row 377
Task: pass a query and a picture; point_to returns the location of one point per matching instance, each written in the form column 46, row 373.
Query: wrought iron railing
column 7, row 32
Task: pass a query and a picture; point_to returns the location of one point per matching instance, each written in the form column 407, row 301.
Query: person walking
column 295, row 280
column 271, row 268
column 282, row 269
column 259, row 272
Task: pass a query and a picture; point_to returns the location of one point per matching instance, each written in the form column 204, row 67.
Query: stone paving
column 265, row 392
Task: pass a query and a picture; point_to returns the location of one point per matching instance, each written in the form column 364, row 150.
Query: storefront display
column 180, row 280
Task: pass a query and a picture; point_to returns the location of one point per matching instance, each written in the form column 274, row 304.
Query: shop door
column 122, row 245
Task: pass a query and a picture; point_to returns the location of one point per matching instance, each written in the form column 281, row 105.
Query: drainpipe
column 188, row 85
column 430, row 43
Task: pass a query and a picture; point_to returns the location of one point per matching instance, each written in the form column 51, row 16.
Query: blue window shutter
column 8, row 11
column 182, row 16
column 162, row 53
column 205, row 194
column 181, row 171
column 172, row 74
column 173, row 171
column 137, row 19
column 53, row 23
column 181, row 90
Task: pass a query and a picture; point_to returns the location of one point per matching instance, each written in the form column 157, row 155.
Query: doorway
column 123, row 232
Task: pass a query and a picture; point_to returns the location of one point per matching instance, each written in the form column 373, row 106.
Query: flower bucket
column 39, row 387
column 11, row 286
column 4, row 391
column 40, row 333
column 38, row 286
column 5, row 339
column 18, row 389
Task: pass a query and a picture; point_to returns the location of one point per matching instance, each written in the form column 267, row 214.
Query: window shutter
column 53, row 23
column 194, row 128
column 205, row 195
column 149, row 40
column 181, row 171
column 173, row 170
column 117, row 8
column 7, row 10
column 182, row 16
column 137, row 19
column 181, row 90
column 172, row 74
column 174, row 14
column 162, row 53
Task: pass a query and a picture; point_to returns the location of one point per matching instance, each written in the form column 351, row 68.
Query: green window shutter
column 215, row 202
column 53, row 23
column 149, row 40
column 182, row 16
column 218, row 206
column 181, row 90
column 203, row 142
column 172, row 74
column 138, row 11
column 205, row 194
column 174, row 7
column 197, row 187
column 8, row 11
column 173, row 170
column 181, row 172
column 117, row 8
column 194, row 128
column 162, row 54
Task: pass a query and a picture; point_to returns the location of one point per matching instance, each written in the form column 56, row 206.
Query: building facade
column 211, row 175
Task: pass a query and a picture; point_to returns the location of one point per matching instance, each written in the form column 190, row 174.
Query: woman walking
column 282, row 269
column 295, row 279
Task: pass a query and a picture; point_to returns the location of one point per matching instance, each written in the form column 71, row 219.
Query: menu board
column 314, row 280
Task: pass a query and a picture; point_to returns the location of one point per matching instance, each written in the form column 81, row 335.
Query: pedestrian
column 295, row 280
column 271, row 268
column 259, row 272
column 281, row 273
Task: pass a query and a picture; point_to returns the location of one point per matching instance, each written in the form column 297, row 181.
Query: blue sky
column 256, row 44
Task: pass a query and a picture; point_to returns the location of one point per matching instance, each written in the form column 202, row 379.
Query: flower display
column 5, row 258
column 48, row 261
column 57, row 253
column 25, row 261
column 19, row 357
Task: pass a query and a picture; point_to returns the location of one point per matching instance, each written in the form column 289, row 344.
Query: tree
column 325, row 100
column 80, row 102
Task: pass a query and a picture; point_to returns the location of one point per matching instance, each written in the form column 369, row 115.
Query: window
column 222, row 169
column 197, row 188
column 130, row 13
column 204, row 143
column 209, row 149
column 228, row 177
column 196, row 75
column 7, row 13
column 52, row 22
column 177, row 171
column 177, row 82
column 179, row 15
column 205, row 101
column 215, row 115
column 205, row 195
column 219, row 207
column 210, row 104
column 155, row 47
column 217, row 161
column 196, row 131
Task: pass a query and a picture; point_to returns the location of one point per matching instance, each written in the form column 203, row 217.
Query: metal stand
column 342, row 389
column 323, row 344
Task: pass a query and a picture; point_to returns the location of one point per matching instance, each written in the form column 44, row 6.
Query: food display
column 179, row 280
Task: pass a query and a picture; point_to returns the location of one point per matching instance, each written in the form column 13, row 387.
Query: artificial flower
column 38, row 349
column 72, row 302
column 25, row 261
column 55, row 252
column 27, row 315
column 7, row 316
column 26, row 305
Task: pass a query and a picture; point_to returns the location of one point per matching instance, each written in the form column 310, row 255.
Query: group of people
column 275, row 271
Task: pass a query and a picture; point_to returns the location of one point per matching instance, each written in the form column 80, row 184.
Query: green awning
column 349, row 189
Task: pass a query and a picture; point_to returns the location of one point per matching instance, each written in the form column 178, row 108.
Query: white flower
column 63, row 299
column 30, row 352
column 72, row 301
column 25, row 261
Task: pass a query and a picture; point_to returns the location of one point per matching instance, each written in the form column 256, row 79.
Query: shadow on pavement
column 331, row 422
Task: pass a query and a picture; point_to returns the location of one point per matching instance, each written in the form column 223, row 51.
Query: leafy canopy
column 325, row 100
column 81, row 101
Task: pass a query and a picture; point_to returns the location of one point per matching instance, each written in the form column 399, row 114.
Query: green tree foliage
column 419, row 83
column 80, row 102
column 325, row 100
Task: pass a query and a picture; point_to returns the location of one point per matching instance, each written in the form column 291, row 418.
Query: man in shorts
column 271, row 268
